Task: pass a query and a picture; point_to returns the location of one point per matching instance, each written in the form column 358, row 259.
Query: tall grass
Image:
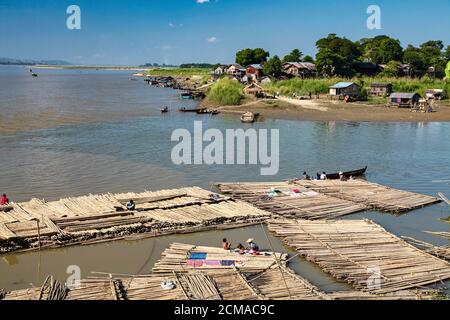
column 179, row 72
column 306, row 86
column 226, row 92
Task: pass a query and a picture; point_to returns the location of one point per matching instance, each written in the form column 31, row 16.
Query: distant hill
column 29, row 62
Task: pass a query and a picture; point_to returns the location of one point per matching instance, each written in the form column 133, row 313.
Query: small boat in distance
column 34, row 75
column 348, row 174
column 196, row 110
column 249, row 117
column 186, row 96
column 165, row 110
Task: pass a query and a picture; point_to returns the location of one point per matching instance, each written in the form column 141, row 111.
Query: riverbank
column 325, row 110
column 105, row 68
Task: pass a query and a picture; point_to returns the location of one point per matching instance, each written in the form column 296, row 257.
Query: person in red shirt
column 4, row 200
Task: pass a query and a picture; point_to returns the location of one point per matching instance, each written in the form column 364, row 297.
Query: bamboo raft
column 306, row 204
column 352, row 250
column 372, row 195
column 94, row 218
column 271, row 284
column 440, row 252
column 176, row 259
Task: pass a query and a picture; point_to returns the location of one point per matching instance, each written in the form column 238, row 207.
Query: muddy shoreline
column 320, row 110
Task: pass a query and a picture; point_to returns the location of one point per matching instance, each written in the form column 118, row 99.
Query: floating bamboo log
column 94, row 218
column 362, row 253
column 440, row 252
column 372, row 195
column 176, row 257
column 303, row 203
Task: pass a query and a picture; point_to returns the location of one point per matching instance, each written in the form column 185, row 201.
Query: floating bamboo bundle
column 291, row 201
column 362, row 253
column 210, row 285
column 104, row 217
column 440, row 252
column 176, row 258
column 372, row 195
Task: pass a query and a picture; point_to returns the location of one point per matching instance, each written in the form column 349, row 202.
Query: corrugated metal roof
column 403, row 95
column 342, row 85
column 380, row 84
column 256, row 66
column 302, row 65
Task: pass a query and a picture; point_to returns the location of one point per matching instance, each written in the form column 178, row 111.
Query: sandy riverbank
column 320, row 110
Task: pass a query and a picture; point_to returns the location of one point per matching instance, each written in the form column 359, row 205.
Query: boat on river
column 347, row 174
column 249, row 117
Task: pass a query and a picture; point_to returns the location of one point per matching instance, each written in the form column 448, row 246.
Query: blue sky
column 133, row 32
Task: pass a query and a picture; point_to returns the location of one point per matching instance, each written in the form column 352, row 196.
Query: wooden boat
column 190, row 110
column 215, row 112
column 348, row 174
column 248, row 117
column 203, row 111
column 186, row 96
column 165, row 110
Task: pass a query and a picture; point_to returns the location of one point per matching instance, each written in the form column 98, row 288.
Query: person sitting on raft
column 4, row 201
column 305, row 176
column 131, row 205
column 226, row 245
column 252, row 247
column 240, row 249
column 342, row 177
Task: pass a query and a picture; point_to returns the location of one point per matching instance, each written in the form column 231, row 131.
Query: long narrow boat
column 191, row 110
column 347, row 174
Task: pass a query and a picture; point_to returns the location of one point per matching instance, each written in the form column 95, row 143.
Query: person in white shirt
column 323, row 176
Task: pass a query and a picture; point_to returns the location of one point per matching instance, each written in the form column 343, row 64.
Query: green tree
column 446, row 54
column 308, row 59
column 273, row 66
column 260, row 56
column 391, row 69
column 447, row 71
column 251, row 56
column 337, row 55
column 330, row 63
column 294, row 56
column 415, row 58
column 434, row 57
column 381, row 49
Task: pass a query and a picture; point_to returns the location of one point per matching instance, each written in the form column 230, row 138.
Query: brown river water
column 74, row 132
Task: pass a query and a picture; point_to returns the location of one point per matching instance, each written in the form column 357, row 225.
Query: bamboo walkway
column 357, row 250
column 302, row 204
column 102, row 217
column 372, row 195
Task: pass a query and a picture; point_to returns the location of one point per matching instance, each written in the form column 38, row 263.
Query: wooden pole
column 39, row 233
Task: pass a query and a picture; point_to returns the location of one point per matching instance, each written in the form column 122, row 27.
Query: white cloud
column 171, row 25
column 212, row 39
column 202, row 1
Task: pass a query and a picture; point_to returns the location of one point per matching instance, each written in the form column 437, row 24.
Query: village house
column 254, row 71
column 380, row 89
column 267, row 79
column 220, row 70
column 434, row 94
column 367, row 68
column 254, row 89
column 235, row 70
column 400, row 99
column 350, row 89
column 300, row 69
